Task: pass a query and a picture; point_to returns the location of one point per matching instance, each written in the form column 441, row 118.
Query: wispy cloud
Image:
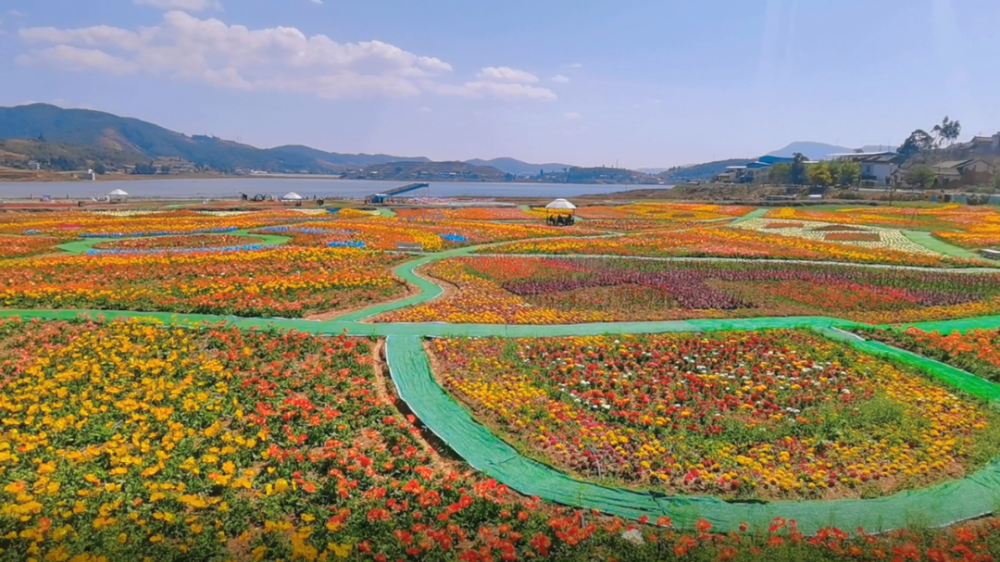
column 559, row 79
column 186, row 5
column 317, row 2
column 572, row 115
column 575, row 65
column 186, row 47
column 507, row 74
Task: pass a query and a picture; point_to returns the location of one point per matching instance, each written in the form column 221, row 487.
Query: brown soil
column 408, row 291
column 838, row 228
column 442, row 457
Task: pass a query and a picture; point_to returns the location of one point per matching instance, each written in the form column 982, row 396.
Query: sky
column 639, row 83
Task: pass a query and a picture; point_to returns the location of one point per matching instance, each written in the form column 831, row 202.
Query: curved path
column 966, row 498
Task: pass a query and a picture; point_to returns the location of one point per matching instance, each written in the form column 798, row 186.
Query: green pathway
column 755, row 214
column 929, row 241
column 83, row 245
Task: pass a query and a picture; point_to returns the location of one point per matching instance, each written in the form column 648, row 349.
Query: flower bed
column 872, row 238
column 97, row 225
column 975, row 351
column 386, row 233
column 756, row 415
column 465, row 213
column 130, row 441
column 777, row 225
column 528, row 290
column 853, row 236
column 23, row 246
column 681, row 212
column 745, row 243
column 286, row 282
column 174, row 242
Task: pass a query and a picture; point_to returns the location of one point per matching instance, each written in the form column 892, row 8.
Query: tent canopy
column 118, row 193
column 561, row 205
column 291, row 196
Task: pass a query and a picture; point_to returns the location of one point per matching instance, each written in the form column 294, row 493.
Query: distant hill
column 429, row 171
column 701, row 172
column 812, row 150
column 599, row 175
column 114, row 140
column 517, row 167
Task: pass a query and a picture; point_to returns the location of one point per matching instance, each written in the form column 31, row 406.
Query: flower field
column 385, row 233
column 23, row 246
column 753, row 415
column 129, row 441
column 174, row 242
column 667, row 212
column 868, row 237
column 133, row 442
column 465, row 213
column 84, row 224
column 737, row 242
column 943, row 217
column 282, row 281
column 976, row 351
column 529, row 290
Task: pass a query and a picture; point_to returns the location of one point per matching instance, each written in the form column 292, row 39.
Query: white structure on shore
column 292, row 196
column 118, row 195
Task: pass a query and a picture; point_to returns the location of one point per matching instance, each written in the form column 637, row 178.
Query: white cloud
column 186, row 5
column 495, row 90
column 17, row 13
column 575, row 65
column 572, row 115
column 424, row 110
column 77, row 59
column 208, row 50
column 559, row 79
column 186, row 47
column 317, row 2
column 507, row 74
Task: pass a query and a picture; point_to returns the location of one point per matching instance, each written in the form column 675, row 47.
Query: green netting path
column 82, row 245
column 929, row 241
column 940, row 505
column 755, row 214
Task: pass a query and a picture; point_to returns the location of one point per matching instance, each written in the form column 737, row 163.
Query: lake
column 277, row 187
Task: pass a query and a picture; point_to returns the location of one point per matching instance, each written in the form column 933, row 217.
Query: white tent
column 117, row 195
column 561, row 205
column 292, row 196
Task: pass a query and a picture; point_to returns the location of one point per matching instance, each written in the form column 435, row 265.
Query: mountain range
column 80, row 137
column 73, row 139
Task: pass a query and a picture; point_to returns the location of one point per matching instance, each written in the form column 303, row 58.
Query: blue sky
column 646, row 84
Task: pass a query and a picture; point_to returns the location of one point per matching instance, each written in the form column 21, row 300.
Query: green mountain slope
column 114, row 140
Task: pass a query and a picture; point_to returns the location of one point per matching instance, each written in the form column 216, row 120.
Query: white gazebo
column 118, row 195
column 561, row 206
column 291, row 196
column 560, row 212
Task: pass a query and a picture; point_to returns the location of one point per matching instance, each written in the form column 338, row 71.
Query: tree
column 780, row 173
column 846, row 173
column 995, row 182
column 921, row 177
column 797, row 171
column 917, row 142
column 820, row 174
column 100, row 169
column 947, row 131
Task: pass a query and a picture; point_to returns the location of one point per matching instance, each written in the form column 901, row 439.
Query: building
column 876, row 167
column 964, row 172
column 757, row 171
